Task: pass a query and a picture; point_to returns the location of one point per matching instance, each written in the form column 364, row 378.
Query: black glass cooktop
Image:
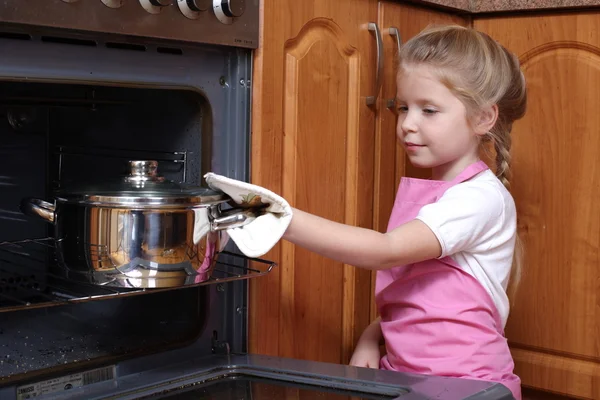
column 244, row 387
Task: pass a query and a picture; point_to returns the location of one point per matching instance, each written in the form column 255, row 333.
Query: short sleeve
column 466, row 218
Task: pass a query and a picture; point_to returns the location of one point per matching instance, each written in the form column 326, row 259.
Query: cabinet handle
column 378, row 79
column 396, row 33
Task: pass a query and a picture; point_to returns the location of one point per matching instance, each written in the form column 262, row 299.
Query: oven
column 86, row 86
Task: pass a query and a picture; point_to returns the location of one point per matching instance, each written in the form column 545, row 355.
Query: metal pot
column 142, row 231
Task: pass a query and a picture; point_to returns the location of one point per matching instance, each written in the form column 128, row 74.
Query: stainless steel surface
column 142, row 231
column 142, row 188
column 395, row 33
column 138, row 248
column 371, row 100
column 222, row 12
column 38, row 207
column 18, row 291
column 233, row 219
column 143, row 171
column 142, row 18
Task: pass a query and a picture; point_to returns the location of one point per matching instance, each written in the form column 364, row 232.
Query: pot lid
column 142, row 187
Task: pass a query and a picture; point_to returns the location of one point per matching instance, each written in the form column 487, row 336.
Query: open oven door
column 254, row 377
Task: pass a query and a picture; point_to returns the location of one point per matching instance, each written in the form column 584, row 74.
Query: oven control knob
column 113, row 3
column 198, row 5
column 193, row 8
column 226, row 10
column 155, row 6
column 233, row 8
column 161, row 3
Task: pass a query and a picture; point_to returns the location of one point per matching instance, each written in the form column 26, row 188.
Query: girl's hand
column 366, row 354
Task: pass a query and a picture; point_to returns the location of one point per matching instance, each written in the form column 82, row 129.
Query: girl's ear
column 486, row 120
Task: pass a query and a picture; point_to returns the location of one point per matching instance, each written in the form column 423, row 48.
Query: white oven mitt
column 260, row 235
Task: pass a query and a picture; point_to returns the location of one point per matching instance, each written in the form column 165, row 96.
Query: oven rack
column 62, row 152
column 21, row 288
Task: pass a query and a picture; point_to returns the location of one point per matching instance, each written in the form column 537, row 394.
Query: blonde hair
column 481, row 73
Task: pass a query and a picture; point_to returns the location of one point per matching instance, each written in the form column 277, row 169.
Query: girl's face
column 432, row 124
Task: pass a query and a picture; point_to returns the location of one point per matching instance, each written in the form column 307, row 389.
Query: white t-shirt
column 476, row 223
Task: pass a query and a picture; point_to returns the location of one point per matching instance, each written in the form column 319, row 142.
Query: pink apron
column 437, row 319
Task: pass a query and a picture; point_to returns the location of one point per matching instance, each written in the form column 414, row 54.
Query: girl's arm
column 364, row 248
column 373, row 332
column 367, row 353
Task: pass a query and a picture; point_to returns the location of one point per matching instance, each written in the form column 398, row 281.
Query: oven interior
column 109, row 105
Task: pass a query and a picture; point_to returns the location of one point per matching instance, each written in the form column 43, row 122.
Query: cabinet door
column 313, row 138
column 554, row 326
column 391, row 162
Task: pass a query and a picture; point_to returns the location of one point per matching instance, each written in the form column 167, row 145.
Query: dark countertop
column 481, row 6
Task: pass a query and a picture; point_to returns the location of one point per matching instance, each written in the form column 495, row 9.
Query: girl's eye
column 429, row 111
column 402, row 109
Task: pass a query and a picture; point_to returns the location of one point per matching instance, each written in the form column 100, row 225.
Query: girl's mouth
column 412, row 146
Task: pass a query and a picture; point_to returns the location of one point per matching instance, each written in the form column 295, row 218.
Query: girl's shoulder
column 472, row 216
column 485, row 191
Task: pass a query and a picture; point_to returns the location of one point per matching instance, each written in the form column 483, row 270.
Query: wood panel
column 391, row 162
column 313, row 138
column 554, row 325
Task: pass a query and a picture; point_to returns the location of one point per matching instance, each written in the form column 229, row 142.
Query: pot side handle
column 38, row 208
column 234, row 218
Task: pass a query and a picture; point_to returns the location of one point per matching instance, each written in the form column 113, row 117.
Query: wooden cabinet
column 313, row 143
column 317, row 142
column 554, row 326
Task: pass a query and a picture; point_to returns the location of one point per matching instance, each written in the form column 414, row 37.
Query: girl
column 445, row 262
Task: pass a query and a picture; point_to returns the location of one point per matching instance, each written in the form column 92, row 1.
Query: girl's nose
column 407, row 122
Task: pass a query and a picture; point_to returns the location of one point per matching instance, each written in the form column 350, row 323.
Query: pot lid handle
column 143, row 171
